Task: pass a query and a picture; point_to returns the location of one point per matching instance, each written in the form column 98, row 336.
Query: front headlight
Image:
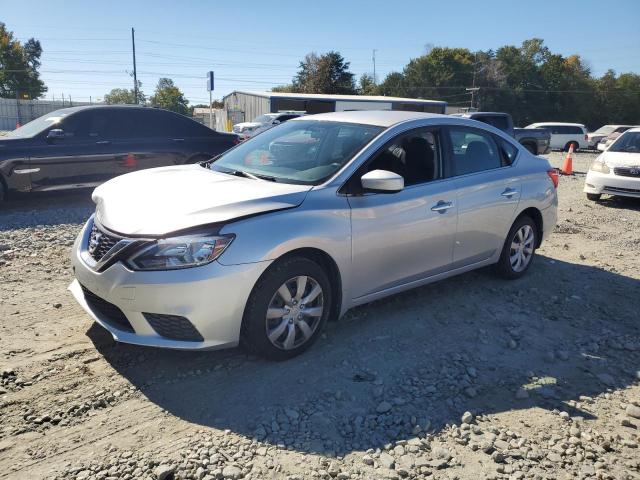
column 180, row 252
column 599, row 166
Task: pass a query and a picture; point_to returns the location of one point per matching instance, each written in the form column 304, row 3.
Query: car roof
column 560, row 123
column 381, row 118
column 634, row 129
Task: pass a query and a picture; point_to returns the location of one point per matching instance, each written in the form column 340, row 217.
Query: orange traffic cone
column 567, row 166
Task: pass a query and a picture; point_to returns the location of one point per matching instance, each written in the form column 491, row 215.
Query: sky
column 255, row 45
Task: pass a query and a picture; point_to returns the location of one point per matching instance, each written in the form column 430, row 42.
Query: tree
column 328, row 73
column 169, row 97
column 284, row 88
column 19, row 65
column 367, row 86
column 124, row 96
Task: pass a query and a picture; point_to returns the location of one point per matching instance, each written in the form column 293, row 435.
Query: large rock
column 633, row 411
column 164, row 472
column 387, row 460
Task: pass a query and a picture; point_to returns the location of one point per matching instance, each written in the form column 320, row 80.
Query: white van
column 565, row 134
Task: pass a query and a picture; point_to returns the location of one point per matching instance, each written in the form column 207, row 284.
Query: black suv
column 85, row 146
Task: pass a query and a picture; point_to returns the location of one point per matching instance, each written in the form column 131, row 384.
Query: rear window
column 498, row 121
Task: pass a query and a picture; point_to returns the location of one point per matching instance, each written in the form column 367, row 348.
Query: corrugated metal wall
column 251, row 105
column 22, row 111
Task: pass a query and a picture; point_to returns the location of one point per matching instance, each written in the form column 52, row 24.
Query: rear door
column 147, row 138
column 402, row 237
column 488, row 191
column 84, row 157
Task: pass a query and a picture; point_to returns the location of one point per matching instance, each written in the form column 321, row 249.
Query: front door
column 83, row 157
column 401, row 237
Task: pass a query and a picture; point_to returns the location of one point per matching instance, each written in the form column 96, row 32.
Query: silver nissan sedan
column 266, row 243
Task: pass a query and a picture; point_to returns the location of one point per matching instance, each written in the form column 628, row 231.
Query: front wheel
column 519, row 249
column 287, row 309
column 594, row 197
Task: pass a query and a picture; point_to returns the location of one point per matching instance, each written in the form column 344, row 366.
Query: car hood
column 164, row 200
column 621, row 159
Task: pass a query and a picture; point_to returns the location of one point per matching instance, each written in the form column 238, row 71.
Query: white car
column 563, row 135
column 617, row 170
column 601, row 134
column 263, row 122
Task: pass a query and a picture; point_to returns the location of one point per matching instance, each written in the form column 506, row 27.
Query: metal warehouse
column 244, row 106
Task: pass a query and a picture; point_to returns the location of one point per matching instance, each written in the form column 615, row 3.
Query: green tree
column 125, row 96
column 284, row 88
column 169, row 97
column 327, row 73
column 367, row 86
column 19, row 65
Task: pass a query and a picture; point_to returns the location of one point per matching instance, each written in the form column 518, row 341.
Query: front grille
column 109, row 312
column 623, row 190
column 627, row 171
column 173, row 327
column 100, row 242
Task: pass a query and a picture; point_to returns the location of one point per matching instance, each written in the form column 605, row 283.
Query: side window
column 77, row 125
column 575, row 130
column 95, row 125
column 473, row 151
column 414, row 155
column 172, row 125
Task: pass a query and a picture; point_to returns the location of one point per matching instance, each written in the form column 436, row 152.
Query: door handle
column 509, row 192
column 103, row 142
column 178, row 139
column 441, row 206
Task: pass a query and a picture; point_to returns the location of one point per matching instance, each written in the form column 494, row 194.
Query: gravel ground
column 469, row 378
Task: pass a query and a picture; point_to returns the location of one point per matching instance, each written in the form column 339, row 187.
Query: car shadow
column 624, row 203
column 46, row 209
column 412, row 363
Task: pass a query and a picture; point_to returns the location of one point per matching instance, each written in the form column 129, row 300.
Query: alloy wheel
column 294, row 312
column 521, row 250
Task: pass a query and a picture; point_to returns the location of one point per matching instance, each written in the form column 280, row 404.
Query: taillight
column 553, row 175
column 586, row 137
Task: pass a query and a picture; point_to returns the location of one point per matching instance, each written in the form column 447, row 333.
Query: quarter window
column 473, row 151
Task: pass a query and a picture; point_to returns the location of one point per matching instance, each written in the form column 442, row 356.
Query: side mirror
column 55, row 133
column 382, row 181
column 276, row 122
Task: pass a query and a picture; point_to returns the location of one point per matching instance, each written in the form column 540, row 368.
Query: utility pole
column 135, row 77
column 473, row 88
column 374, row 67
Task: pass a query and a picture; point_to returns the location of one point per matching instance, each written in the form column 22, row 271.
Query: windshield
column 606, row 130
column 628, row 142
column 264, row 118
column 36, row 126
column 306, row 152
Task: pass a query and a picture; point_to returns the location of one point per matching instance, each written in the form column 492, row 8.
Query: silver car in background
column 303, row 222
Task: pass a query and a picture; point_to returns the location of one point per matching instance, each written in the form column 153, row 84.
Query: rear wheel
column 594, row 197
column 3, row 191
column 568, row 146
column 519, row 249
column 287, row 309
column 531, row 148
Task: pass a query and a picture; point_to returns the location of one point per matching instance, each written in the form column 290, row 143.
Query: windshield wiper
column 207, row 163
column 242, row 173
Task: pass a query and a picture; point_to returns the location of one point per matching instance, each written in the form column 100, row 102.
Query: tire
column 531, row 148
column 505, row 267
column 3, row 191
column 576, row 146
column 594, row 197
column 271, row 337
